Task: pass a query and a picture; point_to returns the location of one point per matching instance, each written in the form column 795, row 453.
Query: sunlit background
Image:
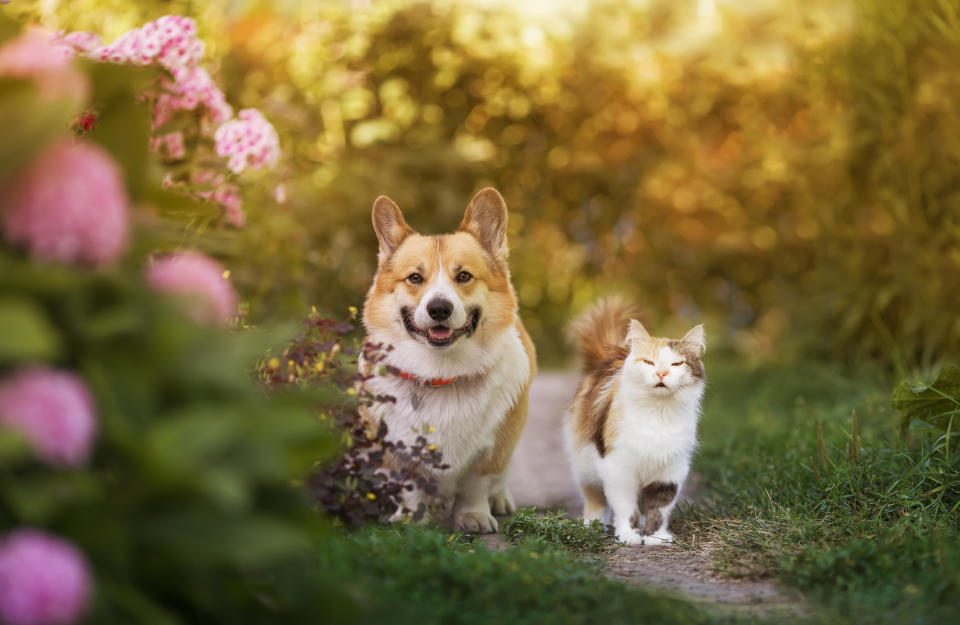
column 786, row 170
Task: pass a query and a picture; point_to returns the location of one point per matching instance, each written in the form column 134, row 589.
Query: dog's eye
column 677, row 364
column 464, row 276
column 415, row 278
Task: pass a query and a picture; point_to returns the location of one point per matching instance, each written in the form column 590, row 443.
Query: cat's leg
column 620, row 487
column 657, row 501
column 594, row 502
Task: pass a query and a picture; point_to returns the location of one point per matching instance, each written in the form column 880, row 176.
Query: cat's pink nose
column 662, row 374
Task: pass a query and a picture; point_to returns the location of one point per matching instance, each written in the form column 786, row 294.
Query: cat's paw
column 630, row 538
column 658, row 538
column 476, row 522
column 501, row 503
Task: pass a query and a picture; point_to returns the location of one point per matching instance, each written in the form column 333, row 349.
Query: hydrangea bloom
column 54, row 410
column 44, row 580
column 200, row 278
column 69, row 206
column 249, row 141
column 34, row 56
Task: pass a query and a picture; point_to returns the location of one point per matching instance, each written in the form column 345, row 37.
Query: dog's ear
column 486, row 219
column 389, row 225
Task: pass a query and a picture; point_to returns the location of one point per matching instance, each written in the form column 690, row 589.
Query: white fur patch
column 464, row 414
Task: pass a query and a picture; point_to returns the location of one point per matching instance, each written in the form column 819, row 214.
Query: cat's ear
column 637, row 333
column 697, row 338
column 389, row 225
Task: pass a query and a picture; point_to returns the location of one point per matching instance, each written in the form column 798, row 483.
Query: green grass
column 556, row 529
column 420, row 575
column 861, row 516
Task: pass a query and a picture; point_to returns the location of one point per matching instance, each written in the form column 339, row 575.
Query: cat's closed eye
column 677, row 364
column 645, row 361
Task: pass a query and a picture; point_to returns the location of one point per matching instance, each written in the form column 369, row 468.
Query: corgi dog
column 446, row 307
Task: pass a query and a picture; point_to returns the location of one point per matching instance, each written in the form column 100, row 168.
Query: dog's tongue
column 439, row 334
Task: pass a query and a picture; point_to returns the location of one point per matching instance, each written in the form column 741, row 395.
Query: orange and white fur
column 446, row 306
column 632, row 427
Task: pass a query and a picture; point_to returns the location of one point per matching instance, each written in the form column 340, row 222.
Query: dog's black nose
column 439, row 309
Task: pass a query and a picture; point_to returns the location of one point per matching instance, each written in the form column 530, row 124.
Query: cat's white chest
column 655, row 440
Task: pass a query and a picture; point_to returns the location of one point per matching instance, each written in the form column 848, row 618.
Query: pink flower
column 69, row 206
column 171, row 144
column 44, row 580
column 33, row 55
column 250, row 141
column 202, row 280
column 229, row 198
column 55, row 412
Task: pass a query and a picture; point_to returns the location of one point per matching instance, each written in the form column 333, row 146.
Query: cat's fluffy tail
column 603, row 326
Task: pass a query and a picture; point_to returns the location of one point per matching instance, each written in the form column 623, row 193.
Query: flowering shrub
column 354, row 487
column 185, row 509
column 55, row 411
column 199, row 278
column 70, row 205
column 44, row 580
column 191, row 119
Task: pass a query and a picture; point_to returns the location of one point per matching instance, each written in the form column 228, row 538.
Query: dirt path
column 540, row 476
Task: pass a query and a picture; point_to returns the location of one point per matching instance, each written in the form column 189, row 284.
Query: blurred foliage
column 784, row 168
column 190, row 509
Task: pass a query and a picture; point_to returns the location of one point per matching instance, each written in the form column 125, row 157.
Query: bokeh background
column 785, row 169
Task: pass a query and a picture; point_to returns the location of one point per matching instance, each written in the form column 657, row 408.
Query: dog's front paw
column 502, row 503
column 476, row 522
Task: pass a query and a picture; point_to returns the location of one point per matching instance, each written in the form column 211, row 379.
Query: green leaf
column 29, row 122
column 122, row 126
column 27, row 333
column 935, row 404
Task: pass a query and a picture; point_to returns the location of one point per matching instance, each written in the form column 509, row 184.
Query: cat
column 632, row 426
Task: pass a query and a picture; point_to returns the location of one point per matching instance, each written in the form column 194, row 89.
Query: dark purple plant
column 355, row 487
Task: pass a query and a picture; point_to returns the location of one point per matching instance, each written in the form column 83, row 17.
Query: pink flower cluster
column 32, row 56
column 172, row 43
column 199, row 279
column 54, row 410
column 249, row 141
column 69, row 205
column 190, row 88
column 170, row 144
column 44, row 580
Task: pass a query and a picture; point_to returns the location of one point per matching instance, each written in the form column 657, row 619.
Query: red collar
column 431, row 382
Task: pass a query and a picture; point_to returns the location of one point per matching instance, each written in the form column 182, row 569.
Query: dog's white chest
column 461, row 418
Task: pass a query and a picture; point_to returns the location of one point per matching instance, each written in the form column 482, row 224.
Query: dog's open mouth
column 441, row 335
